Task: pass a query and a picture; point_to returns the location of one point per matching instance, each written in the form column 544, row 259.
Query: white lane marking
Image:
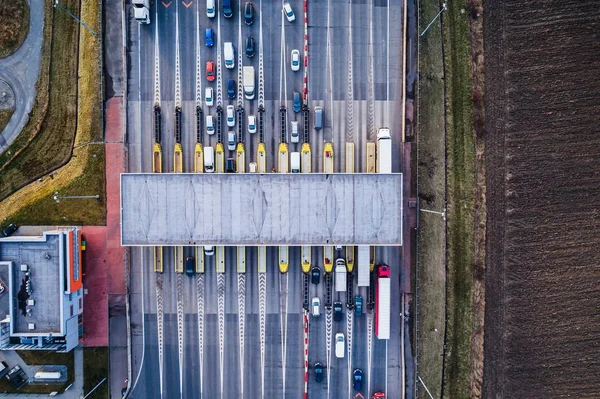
column 177, row 66
column 328, row 333
column 369, row 349
column 198, row 60
column 261, row 77
column 179, row 288
column 349, row 324
column 241, row 325
column 156, row 61
column 160, row 328
column 283, row 312
column 221, row 310
column 329, row 69
column 350, row 88
column 370, row 82
column 200, row 300
column 262, row 310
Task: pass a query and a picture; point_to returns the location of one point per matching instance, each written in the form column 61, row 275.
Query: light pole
column 93, row 32
column 444, row 8
column 57, row 197
column 424, row 386
column 443, row 213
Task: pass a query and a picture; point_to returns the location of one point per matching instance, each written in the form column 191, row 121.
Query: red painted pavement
column 104, row 258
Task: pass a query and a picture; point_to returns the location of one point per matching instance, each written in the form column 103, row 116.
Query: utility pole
column 442, row 214
column 444, row 8
column 57, row 197
column 61, row 7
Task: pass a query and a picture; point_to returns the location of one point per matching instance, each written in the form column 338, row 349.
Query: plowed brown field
column 542, row 331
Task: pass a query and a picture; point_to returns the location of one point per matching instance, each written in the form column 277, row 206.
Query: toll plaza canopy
column 261, row 209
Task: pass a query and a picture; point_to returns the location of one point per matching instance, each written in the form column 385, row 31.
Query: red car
column 378, row 395
column 210, row 71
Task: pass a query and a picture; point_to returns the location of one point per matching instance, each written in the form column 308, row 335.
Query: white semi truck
column 340, row 275
column 295, row 162
column 141, row 11
column 384, row 150
column 249, row 82
column 364, row 266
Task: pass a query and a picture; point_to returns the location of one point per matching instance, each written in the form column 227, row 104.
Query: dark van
column 190, row 266
column 318, row 118
column 227, row 10
column 297, row 104
column 230, row 166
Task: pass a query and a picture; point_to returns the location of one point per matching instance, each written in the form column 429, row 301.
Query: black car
column 249, row 13
column 231, row 88
column 337, row 311
column 319, row 371
column 357, row 378
column 250, row 47
column 9, row 230
column 190, row 266
column 230, row 166
column 315, row 275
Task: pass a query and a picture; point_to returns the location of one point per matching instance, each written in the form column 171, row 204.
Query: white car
column 251, row 124
column 339, row 345
column 209, row 250
column 289, row 13
column 316, row 304
column 231, row 141
column 208, row 96
column 210, row 125
column 295, row 134
column 295, row 60
column 230, row 116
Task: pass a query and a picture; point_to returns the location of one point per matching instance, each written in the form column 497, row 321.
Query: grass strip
column 432, row 193
column 95, row 368
column 5, row 115
column 40, row 105
column 14, row 26
column 461, row 201
column 84, row 174
column 41, row 358
column 52, row 146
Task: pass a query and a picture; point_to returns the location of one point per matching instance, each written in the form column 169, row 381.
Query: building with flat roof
column 41, row 290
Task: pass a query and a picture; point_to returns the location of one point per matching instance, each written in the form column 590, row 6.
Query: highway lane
column 272, row 69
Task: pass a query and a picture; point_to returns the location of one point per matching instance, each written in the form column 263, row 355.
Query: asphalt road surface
column 181, row 352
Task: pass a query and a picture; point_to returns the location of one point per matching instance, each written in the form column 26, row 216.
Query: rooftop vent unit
column 31, row 302
column 31, row 326
column 24, row 268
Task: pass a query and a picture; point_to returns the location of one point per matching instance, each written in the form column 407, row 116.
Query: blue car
column 231, row 88
column 209, row 38
column 358, row 304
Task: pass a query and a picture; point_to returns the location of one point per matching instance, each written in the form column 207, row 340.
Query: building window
column 80, row 303
column 70, row 297
column 71, row 310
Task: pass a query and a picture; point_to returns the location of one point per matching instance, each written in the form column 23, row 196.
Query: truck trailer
column 340, row 275
column 383, row 302
column 364, row 267
column 249, row 82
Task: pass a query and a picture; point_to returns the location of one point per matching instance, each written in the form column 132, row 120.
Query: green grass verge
column 89, row 129
column 14, row 26
column 432, row 173
column 5, row 115
column 40, row 358
column 461, row 200
column 51, row 147
column 95, row 368
column 72, row 211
